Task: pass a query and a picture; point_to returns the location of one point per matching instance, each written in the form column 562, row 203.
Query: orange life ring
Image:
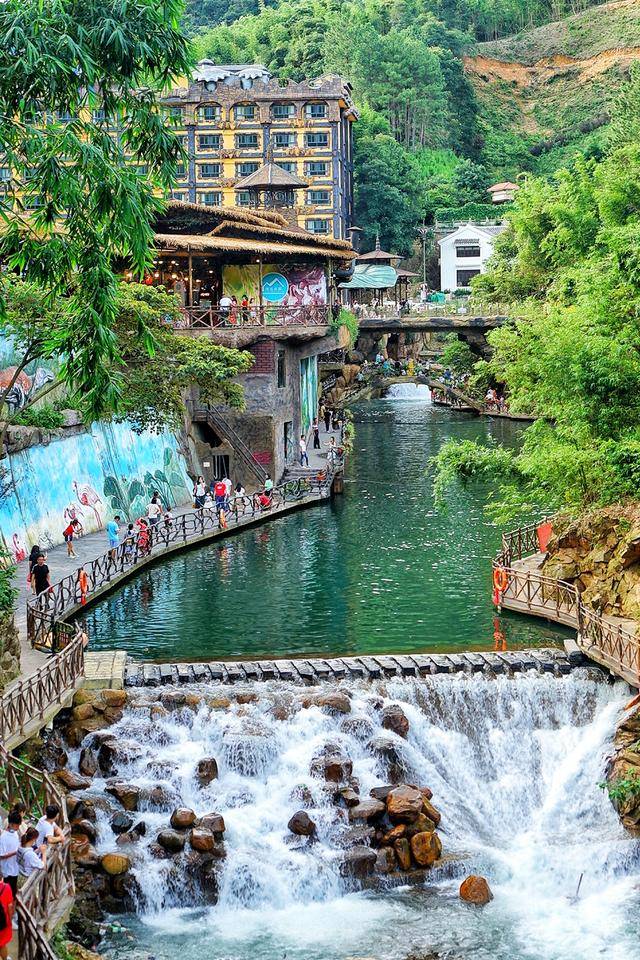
column 500, row 579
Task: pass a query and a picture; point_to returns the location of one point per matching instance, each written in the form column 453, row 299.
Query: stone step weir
column 551, row 660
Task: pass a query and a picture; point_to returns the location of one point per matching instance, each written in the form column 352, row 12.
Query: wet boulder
column 358, row 861
column 172, row 841
column 430, row 811
column 403, row 853
column 206, row 770
column 475, row 890
column 121, row 822
column 173, row 699
column 385, row 860
column 389, row 755
column 213, row 822
column 88, row 763
column 367, row 810
column 395, row 719
column 426, row 848
column 301, row 824
column 347, row 796
column 112, row 752
column 359, row 727
column 73, row 781
column 126, row 793
column 202, row 840
column 84, row 828
column 335, row 702
column 404, row 804
column 332, row 764
column 182, row 818
column 115, row 864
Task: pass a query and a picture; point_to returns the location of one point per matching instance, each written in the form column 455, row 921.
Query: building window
column 463, row 277
column 177, row 195
column 315, row 111
column 317, row 226
column 181, row 171
column 247, row 141
column 316, row 168
column 142, row 169
column 468, row 250
column 320, row 198
column 63, row 116
column 289, row 165
column 243, row 198
column 282, row 370
column 209, row 171
column 5, row 174
column 316, row 139
column 288, row 441
column 281, row 111
column 245, row 111
column 210, row 114
column 175, row 113
column 284, row 139
column 244, row 169
column 209, row 141
column 99, row 116
column 212, row 198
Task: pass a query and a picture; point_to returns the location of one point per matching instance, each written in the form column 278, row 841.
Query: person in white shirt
column 225, row 306
column 48, row 830
column 304, row 456
column 9, row 844
column 29, row 859
column 228, row 487
column 154, row 510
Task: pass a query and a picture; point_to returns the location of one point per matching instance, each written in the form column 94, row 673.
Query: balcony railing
column 232, row 318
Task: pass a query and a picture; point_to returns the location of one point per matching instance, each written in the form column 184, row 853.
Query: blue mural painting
column 90, row 476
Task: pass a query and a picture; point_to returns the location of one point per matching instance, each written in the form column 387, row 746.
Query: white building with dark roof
column 464, row 254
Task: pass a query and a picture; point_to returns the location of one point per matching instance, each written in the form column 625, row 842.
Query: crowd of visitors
column 24, row 846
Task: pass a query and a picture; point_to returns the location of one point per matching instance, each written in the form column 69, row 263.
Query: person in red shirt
column 68, row 537
column 7, row 907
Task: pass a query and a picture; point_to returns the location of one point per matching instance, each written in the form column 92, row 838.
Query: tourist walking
column 327, row 419
column 316, row 435
column 220, row 494
column 68, row 533
column 40, row 577
column 332, row 451
column 113, row 534
column 154, row 510
column 244, row 304
column 33, row 559
column 9, row 844
column 6, row 918
column 199, row 491
column 144, row 540
column 228, row 487
column 129, row 542
column 304, row 456
column 48, row 830
column 225, row 306
column 240, row 499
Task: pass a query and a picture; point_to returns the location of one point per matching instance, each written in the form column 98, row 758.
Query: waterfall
column 409, row 391
column 514, row 766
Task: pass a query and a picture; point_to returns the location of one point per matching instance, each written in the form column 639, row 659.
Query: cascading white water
column 408, row 391
column 514, row 766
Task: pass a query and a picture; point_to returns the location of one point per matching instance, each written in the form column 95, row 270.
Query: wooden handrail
column 603, row 641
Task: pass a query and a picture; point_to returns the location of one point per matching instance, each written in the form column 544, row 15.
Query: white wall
column 450, row 262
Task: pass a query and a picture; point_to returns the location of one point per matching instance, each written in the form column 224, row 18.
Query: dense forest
column 425, row 141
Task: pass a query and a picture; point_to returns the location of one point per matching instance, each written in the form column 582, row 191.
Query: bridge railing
column 37, row 901
column 46, row 612
column 210, row 317
column 602, row 639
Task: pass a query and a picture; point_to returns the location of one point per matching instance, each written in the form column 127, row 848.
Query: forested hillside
column 449, row 101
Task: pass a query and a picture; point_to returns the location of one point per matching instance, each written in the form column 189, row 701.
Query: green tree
column 155, row 380
column 73, row 203
column 457, row 355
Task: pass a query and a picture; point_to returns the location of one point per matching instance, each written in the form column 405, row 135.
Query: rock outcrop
column 623, row 774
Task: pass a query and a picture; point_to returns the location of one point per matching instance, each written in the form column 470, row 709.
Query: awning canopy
column 367, row 276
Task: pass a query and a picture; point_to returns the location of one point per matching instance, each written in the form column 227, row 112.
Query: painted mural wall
column 308, row 392
column 34, row 376
column 282, row 285
column 91, row 476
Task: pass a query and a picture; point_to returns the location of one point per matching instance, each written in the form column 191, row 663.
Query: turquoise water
column 376, row 570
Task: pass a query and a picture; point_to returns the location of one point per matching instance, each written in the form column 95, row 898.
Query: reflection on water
column 377, row 570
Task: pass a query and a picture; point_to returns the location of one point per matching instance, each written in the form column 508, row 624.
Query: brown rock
column 126, row 793
column 381, row 793
column 475, row 890
column 430, row 811
column 348, row 796
column 173, row 699
column 83, row 712
column 404, row 804
column 386, row 860
column 367, row 810
column 246, row 697
column 202, row 840
column 395, row 719
column 193, row 701
column 426, row 848
column 207, row 770
column 84, row 696
column 358, row 862
column 83, row 853
column 88, row 763
column 332, row 764
column 218, row 703
column 72, row 781
column 403, row 853
column 335, row 702
column 171, row 840
column 113, row 698
column 84, row 828
column 121, row 823
column 182, row 818
column 396, row 833
column 115, row 864
column 426, row 793
column 301, row 824
column 213, row 822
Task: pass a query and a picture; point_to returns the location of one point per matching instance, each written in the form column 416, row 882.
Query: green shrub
column 471, row 211
column 45, row 416
column 623, row 790
column 8, row 590
column 348, row 320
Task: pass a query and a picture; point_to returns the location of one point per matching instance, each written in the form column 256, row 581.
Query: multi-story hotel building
column 236, row 119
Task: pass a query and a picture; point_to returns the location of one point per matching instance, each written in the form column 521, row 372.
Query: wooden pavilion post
column 190, row 279
column 260, row 302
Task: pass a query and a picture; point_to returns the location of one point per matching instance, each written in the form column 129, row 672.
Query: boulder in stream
column 115, row 863
column 127, row 793
column 394, row 718
column 404, row 803
column 301, row 824
column 182, row 818
column 171, row 840
column 426, row 848
column 475, row 890
column 206, row 770
column 358, row 861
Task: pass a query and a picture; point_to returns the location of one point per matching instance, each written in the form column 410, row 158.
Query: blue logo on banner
column 275, row 287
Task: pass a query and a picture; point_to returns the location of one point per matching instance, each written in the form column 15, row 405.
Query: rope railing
column 605, row 641
column 38, row 899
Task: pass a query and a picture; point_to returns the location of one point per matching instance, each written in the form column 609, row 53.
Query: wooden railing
column 599, row 637
column 210, row 317
column 39, row 899
column 47, row 611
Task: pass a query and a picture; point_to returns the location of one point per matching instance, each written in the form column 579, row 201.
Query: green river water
column 376, row 570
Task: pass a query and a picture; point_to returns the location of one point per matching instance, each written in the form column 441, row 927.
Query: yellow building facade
column 234, row 119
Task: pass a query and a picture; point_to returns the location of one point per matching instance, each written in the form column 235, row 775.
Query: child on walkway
column 68, row 533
